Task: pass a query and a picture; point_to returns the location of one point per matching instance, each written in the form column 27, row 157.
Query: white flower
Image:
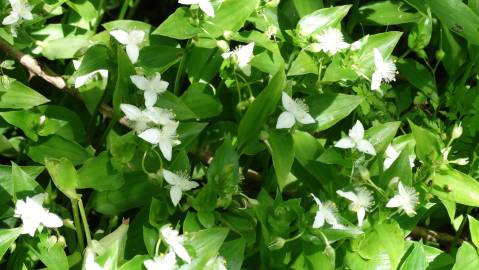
column 326, row 213
column 296, row 110
column 330, row 41
column 33, row 214
column 406, row 200
column 165, row 262
column 20, row 10
column 175, row 241
column 356, row 45
column 137, row 118
column 392, row 155
column 385, row 70
column 165, row 137
column 131, row 39
column 356, row 140
column 241, row 56
column 205, row 5
column 361, row 201
column 83, row 79
column 179, row 182
column 151, row 86
column 160, row 116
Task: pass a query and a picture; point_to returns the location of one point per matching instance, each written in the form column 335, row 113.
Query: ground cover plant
column 239, row 134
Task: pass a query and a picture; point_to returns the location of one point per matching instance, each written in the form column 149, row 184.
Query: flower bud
column 228, row 34
column 456, row 131
column 223, row 45
column 440, row 55
column 272, row 3
column 277, row 243
column 460, row 161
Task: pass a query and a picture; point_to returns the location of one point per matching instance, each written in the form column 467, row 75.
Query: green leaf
column 420, row 77
column 201, row 101
column 384, row 42
column 23, row 183
column 65, row 48
column 282, row 152
column 57, row 147
column 401, row 168
column 474, row 229
column 168, row 100
column 457, row 17
column 206, row 243
column 98, row 173
column 135, row 264
column 328, row 109
column 19, row 96
column 416, row 260
column 7, row 184
column 179, row 25
column 420, row 34
column 386, row 238
column 453, row 185
column 7, row 238
column 303, row 64
column 223, row 173
column 257, row 114
column 428, row 146
column 233, row 253
column 387, row 13
column 159, row 56
column 381, row 135
column 466, row 258
column 53, row 256
column 322, row 19
column 27, row 121
column 64, row 175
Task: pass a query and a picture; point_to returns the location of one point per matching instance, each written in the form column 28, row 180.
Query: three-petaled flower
column 385, row 70
column 361, row 201
column 241, row 57
column 164, row 262
column 138, row 119
column 330, row 41
column 152, row 87
column 33, row 214
column 327, row 213
column 296, row 110
column 20, row 10
column 356, row 140
column 131, row 40
column 165, row 137
column 179, row 182
column 175, row 242
column 205, row 5
column 405, row 200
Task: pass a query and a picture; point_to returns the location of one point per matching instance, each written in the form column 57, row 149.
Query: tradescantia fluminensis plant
column 239, row 134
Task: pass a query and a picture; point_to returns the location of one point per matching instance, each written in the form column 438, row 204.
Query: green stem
column 123, row 10
column 78, row 227
column 181, row 69
column 461, row 228
column 85, row 222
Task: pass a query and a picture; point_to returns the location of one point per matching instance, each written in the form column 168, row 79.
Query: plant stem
column 123, row 10
column 85, row 222
column 78, row 227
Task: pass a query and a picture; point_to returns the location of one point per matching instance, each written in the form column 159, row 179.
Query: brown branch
column 430, row 235
column 36, row 69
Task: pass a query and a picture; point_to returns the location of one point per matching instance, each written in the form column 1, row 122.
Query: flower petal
column 175, row 194
column 150, row 98
column 133, row 52
column 285, row 120
column 140, row 81
column 318, row 220
column 166, row 149
column 152, row 135
column 366, row 147
column 51, row 220
column 357, row 131
column 181, row 252
column 305, row 118
column 345, row 143
column 120, row 35
column 348, row 195
column 131, row 112
column 288, row 102
column 11, row 19
column 361, row 214
column 170, row 177
column 376, row 80
column 136, row 37
column 378, row 58
column 207, row 8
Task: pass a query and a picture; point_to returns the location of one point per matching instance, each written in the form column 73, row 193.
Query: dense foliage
column 239, row 134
